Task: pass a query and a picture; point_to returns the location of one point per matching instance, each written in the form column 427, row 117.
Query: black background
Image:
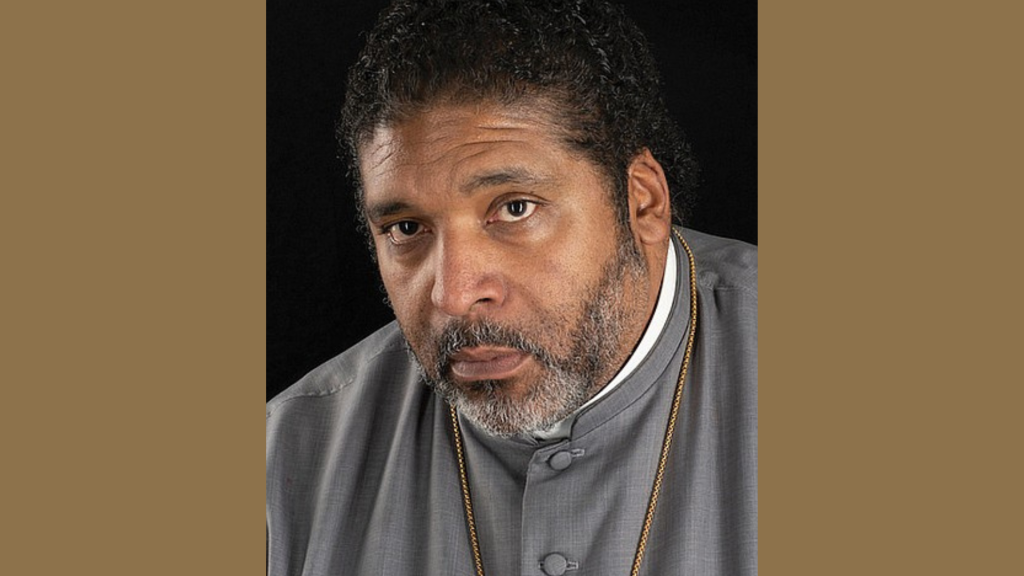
column 323, row 293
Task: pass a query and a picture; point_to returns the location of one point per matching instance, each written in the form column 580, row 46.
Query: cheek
column 558, row 274
column 409, row 301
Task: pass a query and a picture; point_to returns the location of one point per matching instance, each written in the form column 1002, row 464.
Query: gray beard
column 596, row 350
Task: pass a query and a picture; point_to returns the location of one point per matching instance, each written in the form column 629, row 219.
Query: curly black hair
column 585, row 59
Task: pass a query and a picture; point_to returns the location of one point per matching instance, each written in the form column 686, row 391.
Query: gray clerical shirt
column 362, row 477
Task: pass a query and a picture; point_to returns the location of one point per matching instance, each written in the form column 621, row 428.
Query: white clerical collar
column 666, row 297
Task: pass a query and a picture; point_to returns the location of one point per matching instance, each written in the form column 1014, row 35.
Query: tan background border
column 133, row 288
column 132, row 218
column 890, row 392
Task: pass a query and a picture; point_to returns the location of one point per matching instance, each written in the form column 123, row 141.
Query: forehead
column 457, row 137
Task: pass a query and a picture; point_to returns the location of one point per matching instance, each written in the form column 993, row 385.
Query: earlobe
column 650, row 204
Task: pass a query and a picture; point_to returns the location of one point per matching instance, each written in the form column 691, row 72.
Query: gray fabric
column 362, row 477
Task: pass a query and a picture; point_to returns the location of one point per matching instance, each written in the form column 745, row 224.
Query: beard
column 577, row 352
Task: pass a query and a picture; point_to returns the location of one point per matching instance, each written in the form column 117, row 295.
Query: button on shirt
column 555, row 564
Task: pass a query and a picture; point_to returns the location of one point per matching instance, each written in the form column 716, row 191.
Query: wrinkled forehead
column 428, row 135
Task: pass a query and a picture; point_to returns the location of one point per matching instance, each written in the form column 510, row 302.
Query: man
column 570, row 384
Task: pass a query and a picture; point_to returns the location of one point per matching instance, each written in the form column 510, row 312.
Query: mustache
column 459, row 334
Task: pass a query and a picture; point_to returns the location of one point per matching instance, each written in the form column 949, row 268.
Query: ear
column 650, row 203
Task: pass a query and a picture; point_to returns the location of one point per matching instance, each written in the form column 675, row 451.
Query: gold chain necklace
column 670, row 429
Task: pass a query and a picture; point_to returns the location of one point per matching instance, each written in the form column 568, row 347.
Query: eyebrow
column 384, row 209
column 498, row 177
column 512, row 175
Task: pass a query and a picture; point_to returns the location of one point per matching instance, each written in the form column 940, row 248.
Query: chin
column 497, row 407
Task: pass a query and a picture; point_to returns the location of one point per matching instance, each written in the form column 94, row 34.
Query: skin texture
column 498, row 247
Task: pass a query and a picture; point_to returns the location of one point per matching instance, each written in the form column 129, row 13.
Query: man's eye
column 403, row 231
column 515, row 210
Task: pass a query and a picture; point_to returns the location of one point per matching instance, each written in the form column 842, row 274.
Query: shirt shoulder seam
column 347, row 381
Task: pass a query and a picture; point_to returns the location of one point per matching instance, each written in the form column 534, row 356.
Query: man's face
column 499, row 249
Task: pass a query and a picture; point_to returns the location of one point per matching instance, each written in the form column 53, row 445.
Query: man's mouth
column 487, row 363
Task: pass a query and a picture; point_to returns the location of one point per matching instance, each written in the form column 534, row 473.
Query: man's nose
column 468, row 279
